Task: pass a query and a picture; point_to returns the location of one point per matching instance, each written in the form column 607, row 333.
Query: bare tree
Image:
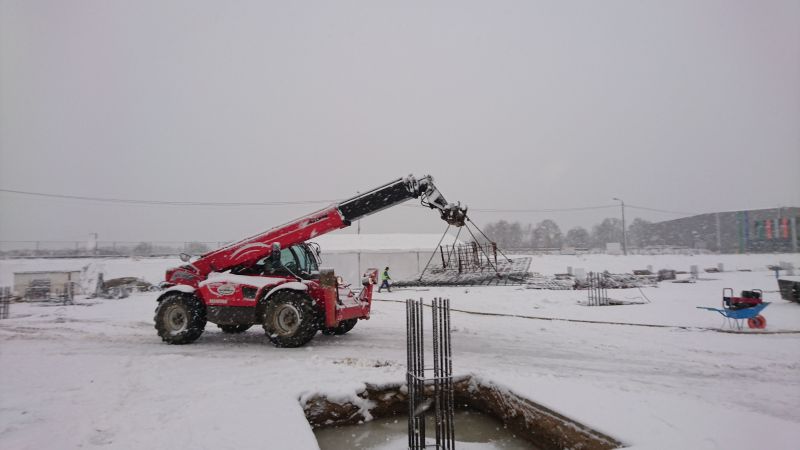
column 578, row 237
column 505, row 234
column 546, row 234
column 609, row 230
column 639, row 233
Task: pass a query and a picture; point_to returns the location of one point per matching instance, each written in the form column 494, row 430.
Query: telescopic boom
column 334, row 217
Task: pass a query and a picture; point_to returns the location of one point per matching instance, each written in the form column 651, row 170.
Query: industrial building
column 752, row 231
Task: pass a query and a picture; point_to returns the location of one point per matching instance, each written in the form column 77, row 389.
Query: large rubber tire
column 234, row 329
column 180, row 318
column 290, row 319
column 343, row 327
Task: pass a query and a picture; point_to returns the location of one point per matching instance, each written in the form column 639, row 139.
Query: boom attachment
column 399, row 191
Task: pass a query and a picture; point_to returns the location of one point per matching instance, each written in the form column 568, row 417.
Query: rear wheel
column 180, row 318
column 234, row 329
column 290, row 319
column 343, row 327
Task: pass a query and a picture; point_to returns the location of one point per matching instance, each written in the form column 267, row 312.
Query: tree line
column 547, row 234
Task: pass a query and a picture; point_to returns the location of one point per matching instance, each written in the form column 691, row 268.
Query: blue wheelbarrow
column 735, row 318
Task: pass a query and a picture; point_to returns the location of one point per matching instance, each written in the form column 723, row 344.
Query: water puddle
column 473, row 430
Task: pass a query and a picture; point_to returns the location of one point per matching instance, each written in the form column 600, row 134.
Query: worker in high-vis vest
column 385, row 280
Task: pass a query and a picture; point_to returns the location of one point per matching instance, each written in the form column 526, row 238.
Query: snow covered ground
column 96, row 374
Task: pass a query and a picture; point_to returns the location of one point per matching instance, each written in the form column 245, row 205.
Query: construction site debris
column 620, row 281
column 558, row 283
column 666, row 274
column 121, row 287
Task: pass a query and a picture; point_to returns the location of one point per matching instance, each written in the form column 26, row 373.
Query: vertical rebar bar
column 603, row 292
column 436, row 371
column 421, row 409
column 409, row 368
column 451, row 387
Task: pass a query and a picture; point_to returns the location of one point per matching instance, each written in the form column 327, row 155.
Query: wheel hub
column 177, row 319
column 287, row 320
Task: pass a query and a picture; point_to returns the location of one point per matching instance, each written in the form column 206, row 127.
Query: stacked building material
column 558, row 283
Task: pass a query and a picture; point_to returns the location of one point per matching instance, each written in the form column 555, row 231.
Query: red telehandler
column 274, row 278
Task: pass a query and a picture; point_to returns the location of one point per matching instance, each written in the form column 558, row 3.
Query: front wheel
column 180, row 318
column 343, row 327
column 290, row 319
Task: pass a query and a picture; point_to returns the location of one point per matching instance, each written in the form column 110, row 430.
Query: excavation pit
column 473, row 429
column 488, row 417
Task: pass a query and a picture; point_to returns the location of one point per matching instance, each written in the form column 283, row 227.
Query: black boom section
column 377, row 199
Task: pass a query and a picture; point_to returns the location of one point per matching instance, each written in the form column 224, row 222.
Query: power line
column 161, row 202
column 681, row 213
column 547, row 210
column 312, row 202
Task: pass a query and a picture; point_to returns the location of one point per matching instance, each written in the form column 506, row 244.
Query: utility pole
column 358, row 232
column 624, row 238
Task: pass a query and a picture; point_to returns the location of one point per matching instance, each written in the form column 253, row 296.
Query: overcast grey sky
column 677, row 105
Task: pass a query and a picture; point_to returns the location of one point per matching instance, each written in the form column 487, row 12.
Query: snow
column 97, row 374
column 180, row 288
column 296, row 285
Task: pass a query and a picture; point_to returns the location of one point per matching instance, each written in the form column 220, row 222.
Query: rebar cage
column 469, row 257
column 597, row 294
column 436, row 391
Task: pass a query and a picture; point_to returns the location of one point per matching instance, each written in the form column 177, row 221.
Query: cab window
column 307, row 263
column 312, row 260
column 288, row 259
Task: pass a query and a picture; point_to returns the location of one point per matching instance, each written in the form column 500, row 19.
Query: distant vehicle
column 274, row 279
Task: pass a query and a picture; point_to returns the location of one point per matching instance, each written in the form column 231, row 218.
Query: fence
column 42, row 290
column 5, row 302
column 654, row 250
column 83, row 249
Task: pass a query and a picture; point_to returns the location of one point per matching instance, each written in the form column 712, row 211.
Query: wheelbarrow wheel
column 757, row 322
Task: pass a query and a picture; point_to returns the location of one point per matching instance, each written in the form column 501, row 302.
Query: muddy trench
column 542, row 427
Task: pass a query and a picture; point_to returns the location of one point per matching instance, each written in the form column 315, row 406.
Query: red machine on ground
column 747, row 299
column 274, row 278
